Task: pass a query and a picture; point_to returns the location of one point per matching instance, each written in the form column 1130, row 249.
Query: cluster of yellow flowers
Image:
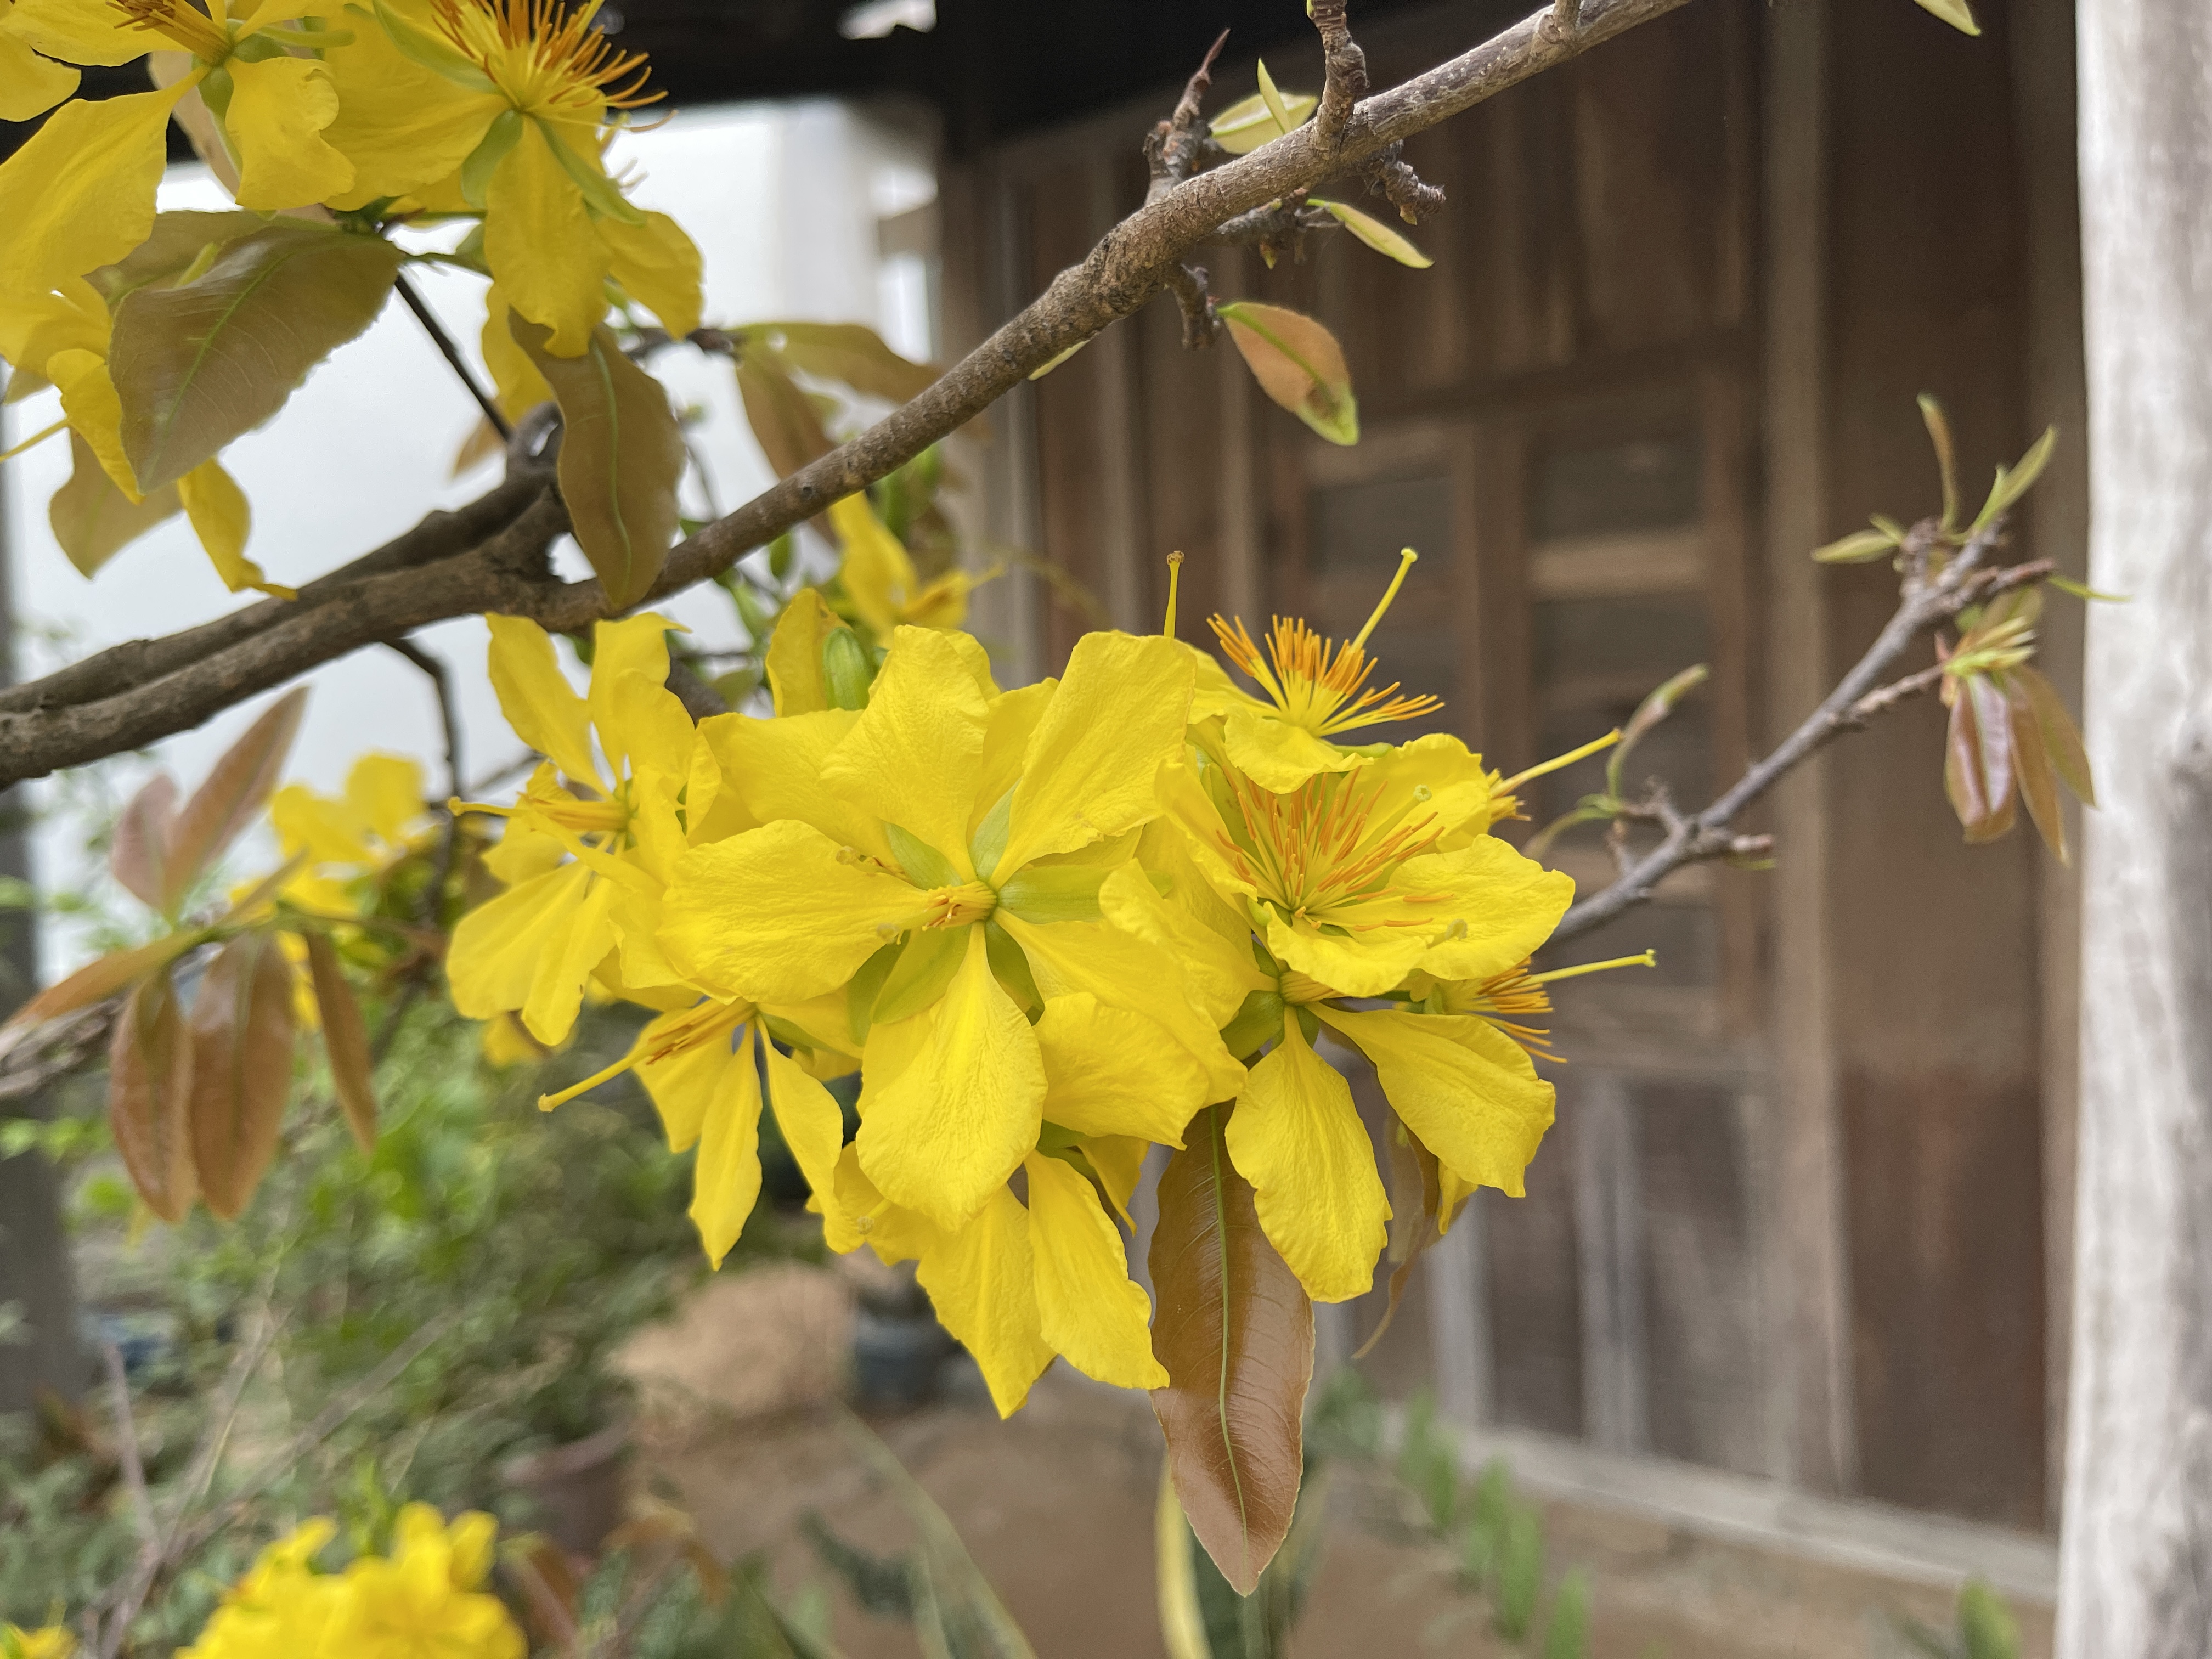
column 426, row 1597
column 351, row 119
column 1049, row 926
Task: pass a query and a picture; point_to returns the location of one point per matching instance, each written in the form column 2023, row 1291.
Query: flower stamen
column 181, row 22
column 1315, row 683
column 547, row 61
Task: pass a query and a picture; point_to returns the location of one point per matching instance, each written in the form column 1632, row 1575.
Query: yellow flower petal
column 727, row 1177
column 557, row 991
column 1124, row 971
column 88, row 32
column 536, row 698
column 1087, row 1308
column 911, row 758
column 657, row 266
column 70, row 317
column 982, row 1282
column 1277, row 755
column 327, row 831
column 1119, row 1162
column 539, row 244
column 1091, row 762
column 474, row 1539
column 636, row 645
column 773, row 768
column 496, row 947
column 794, row 659
column 279, row 107
column 1499, row 907
column 685, row 1083
column 1210, row 942
column 876, row 573
column 1366, row 965
column 642, row 723
column 95, row 412
column 80, row 194
column 953, row 1125
column 514, row 376
column 1295, row 1136
column 1108, row 1072
column 29, row 85
column 1468, row 1092
column 523, row 853
column 386, row 791
column 1009, row 718
column 403, row 126
column 222, row 519
column 810, row 1120
column 777, row 914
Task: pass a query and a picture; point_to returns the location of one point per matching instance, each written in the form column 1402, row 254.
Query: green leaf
column 1860, row 547
column 1519, row 1579
column 1278, row 111
column 1953, row 12
column 848, row 354
column 1383, row 238
column 2039, row 786
column 1568, row 1637
column 345, row 1040
column 1297, row 363
column 198, row 363
column 621, row 457
column 1249, row 123
column 1986, row 1629
column 1653, row 709
column 1947, row 459
column 2083, row 590
column 93, row 520
column 2062, row 738
column 1057, row 359
column 180, row 241
column 101, row 978
column 1235, row 1335
column 2013, row 482
column 501, row 136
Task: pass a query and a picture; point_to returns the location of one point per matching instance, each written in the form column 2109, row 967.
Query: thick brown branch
column 1125, row 271
column 1859, row 697
column 441, row 535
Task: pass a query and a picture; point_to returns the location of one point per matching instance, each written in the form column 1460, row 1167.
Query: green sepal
column 924, row 864
column 504, row 133
column 600, row 193
column 1067, row 892
column 925, row 967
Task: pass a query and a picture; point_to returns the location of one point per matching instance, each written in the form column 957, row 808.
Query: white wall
column 783, row 201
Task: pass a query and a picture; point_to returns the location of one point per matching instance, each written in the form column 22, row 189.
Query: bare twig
column 452, row 353
column 126, row 1447
column 1343, row 74
column 700, row 700
column 1126, row 271
column 1173, row 148
column 32, row 1056
column 1858, row 698
column 1199, row 324
column 449, row 719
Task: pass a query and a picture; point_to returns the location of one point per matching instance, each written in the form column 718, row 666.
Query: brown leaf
column 198, row 363
column 1299, row 363
column 1977, row 769
column 1235, row 1331
column 345, row 1039
column 97, row 980
column 92, row 519
column 847, row 352
column 241, row 1067
column 232, row 797
column 142, row 840
column 2062, row 738
column 149, row 1089
column 621, row 457
column 783, row 417
column 2031, row 756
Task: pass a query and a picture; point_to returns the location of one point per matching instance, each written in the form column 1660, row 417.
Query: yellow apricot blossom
column 702, row 1065
column 500, row 107
column 1020, row 1281
column 343, row 840
column 879, row 580
column 941, row 858
column 53, row 1642
column 80, row 194
column 590, row 842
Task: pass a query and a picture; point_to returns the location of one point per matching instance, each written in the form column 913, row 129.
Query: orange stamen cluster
column 180, row 21
column 1314, row 682
column 1507, row 1000
column 547, row 60
column 959, row 906
column 1316, row 848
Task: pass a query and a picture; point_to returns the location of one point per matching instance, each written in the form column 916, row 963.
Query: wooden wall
column 1575, row 414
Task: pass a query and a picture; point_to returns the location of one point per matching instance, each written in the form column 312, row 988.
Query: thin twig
column 1859, row 696
column 452, row 353
column 126, row 1447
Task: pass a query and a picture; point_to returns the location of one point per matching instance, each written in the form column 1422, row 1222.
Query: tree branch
column 1127, row 269
column 454, row 360
column 1858, row 698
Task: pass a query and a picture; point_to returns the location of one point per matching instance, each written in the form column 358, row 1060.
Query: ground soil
column 1056, row 1505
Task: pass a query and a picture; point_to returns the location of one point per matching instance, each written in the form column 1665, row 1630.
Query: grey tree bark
column 2137, row 1556
column 35, row 1274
